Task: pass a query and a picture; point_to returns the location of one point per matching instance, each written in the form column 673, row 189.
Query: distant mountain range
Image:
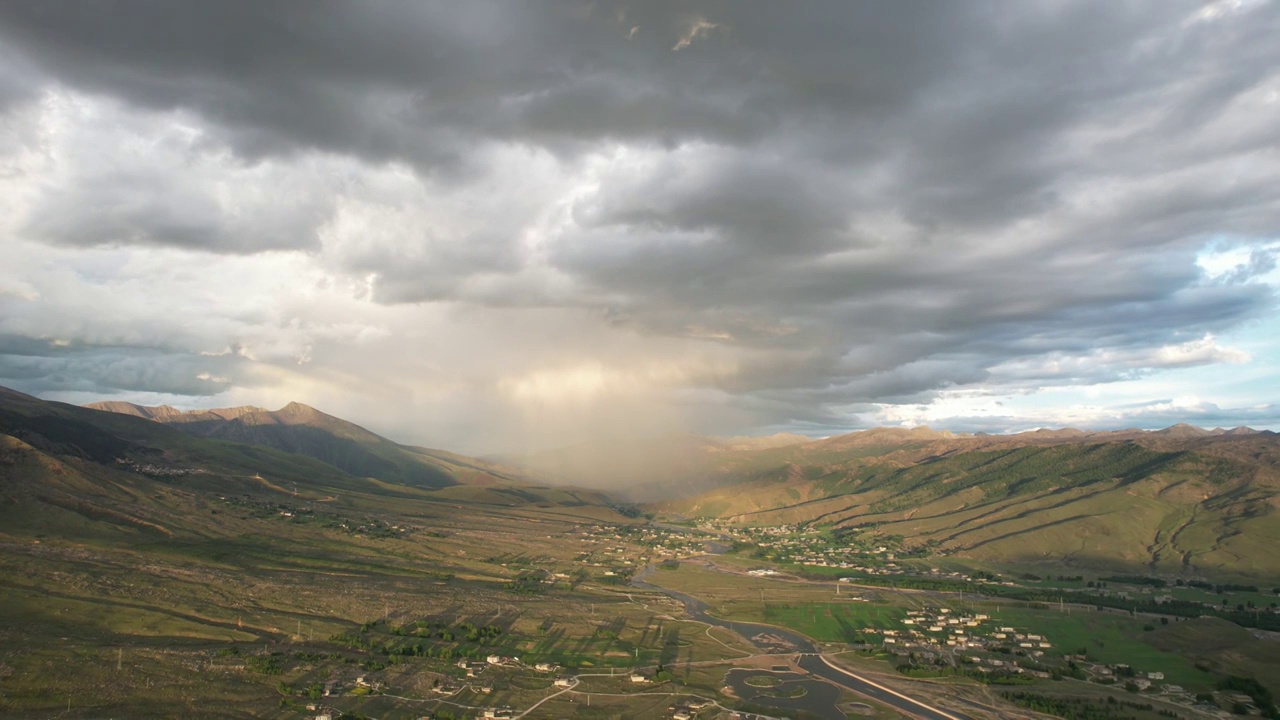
column 303, row 430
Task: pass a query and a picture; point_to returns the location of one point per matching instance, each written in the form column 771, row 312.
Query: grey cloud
column 389, row 81
column 159, row 209
column 18, row 83
column 870, row 202
column 109, row 370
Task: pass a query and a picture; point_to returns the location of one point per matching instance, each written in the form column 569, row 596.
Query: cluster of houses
column 975, row 640
column 891, row 568
column 939, row 632
column 620, row 551
column 939, row 629
column 687, row 709
column 806, row 546
column 1113, row 673
column 160, row 470
column 966, row 577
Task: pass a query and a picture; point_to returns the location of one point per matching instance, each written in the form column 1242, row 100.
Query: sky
column 495, row 227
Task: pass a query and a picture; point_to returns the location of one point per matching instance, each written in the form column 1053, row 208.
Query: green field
column 834, row 622
column 1108, row 638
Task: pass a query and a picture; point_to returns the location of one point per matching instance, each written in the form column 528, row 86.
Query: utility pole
column 119, row 657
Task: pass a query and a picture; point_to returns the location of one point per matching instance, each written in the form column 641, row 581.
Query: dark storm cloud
column 873, row 202
column 386, row 81
column 16, row 82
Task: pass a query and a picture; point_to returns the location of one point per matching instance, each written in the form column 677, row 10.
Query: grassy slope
column 1168, row 506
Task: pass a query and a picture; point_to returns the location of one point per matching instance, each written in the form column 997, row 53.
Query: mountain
column 300, row 429
column 90, row 472
column 1182, row 500
column 164, row 413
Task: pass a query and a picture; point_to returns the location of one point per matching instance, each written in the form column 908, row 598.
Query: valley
column 149, row 571
column 618, row 360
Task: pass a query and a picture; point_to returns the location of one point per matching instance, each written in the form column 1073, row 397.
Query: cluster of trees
column 1243, row 614
column 265, row 664
column 526, row 584
column 1254, row 689
column 428, row 640
column 1135, row 580
column 1079, row 708
column 1160, row 583
column 483, row 635
column 917, row 667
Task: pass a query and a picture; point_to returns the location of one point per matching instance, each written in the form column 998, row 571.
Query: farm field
column 1193, row 654
column 1108, row 638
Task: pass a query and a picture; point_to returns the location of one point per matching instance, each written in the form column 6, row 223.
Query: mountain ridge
column 658, row 468
column 1183, row 501
column 304, row 430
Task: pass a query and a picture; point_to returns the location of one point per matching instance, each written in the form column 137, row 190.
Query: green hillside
column 1202, row 504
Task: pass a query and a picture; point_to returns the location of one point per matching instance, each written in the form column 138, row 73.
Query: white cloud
column 696, row 28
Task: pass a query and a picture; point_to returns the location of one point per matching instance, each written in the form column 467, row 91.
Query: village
column 618, row 551
column 977, row 645
column 925, row 642
column 481, row 678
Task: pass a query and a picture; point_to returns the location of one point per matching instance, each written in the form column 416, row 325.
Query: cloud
column 1152, row 414
column 734, row 217
column 100, row 174
column 698, row 28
